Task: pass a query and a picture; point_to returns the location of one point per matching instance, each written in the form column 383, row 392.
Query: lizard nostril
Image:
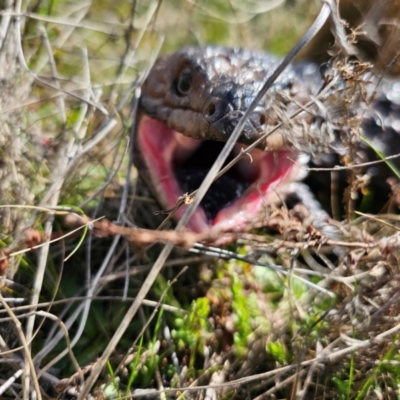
column 214, row 110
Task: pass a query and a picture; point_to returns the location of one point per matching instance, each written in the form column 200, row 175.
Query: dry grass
column 316, row 316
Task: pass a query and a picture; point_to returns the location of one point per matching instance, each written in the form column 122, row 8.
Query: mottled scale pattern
column 227, row 80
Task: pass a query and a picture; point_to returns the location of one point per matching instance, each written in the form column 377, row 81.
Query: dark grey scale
column 232, row 78
column 385, row 138
column 381, row 126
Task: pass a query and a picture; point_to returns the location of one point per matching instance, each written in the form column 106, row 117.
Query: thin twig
column 29, row 369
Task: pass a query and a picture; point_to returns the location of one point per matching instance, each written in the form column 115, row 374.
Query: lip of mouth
column 176, row 164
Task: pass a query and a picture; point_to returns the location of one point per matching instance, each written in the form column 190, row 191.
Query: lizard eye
column 183, row 83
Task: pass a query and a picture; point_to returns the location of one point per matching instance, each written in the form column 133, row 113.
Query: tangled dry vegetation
column 297, row 308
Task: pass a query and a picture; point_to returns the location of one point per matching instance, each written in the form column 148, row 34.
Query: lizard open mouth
column 191, row 102
column 176, row 164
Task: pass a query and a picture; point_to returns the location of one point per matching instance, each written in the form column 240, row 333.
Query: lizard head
column 191, row 102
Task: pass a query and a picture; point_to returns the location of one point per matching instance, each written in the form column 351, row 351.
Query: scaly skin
column 223, row 82
column 203, row 93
